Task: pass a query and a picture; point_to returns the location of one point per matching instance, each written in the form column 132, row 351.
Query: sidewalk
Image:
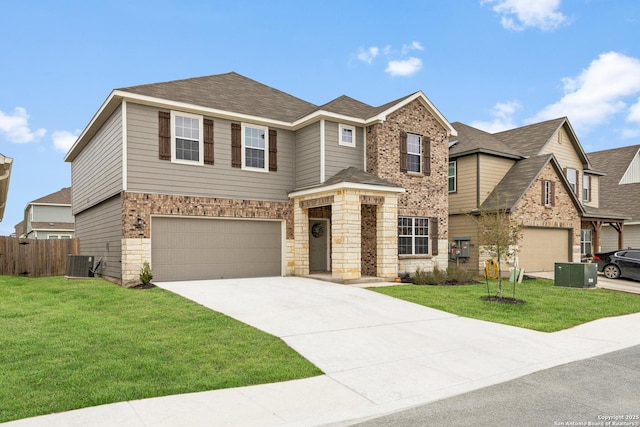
column 379, row 355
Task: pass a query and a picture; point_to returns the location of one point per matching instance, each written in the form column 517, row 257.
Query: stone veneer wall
column 369, row 247
column 136, row 242
column 426, row 196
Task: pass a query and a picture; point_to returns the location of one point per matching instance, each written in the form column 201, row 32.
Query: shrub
column 145, row 274
column 450, row 276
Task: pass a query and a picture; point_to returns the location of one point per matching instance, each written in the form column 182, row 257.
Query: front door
column 319, row 245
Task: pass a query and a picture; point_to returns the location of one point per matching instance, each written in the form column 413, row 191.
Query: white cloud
column 598, row 93
column 63, row 139
column 368, row 55
column 413, row 46
column 520, row 14
column 634, row 112
column 502, row 113
column 404, row 67
column 16, row 129
column 630, row 133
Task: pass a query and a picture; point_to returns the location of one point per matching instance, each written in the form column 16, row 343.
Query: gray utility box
column 79, row 265
column 576, row 274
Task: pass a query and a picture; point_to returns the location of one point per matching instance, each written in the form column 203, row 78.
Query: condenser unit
column 79, row 265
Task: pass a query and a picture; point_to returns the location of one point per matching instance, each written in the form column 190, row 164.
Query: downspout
column 124, row 145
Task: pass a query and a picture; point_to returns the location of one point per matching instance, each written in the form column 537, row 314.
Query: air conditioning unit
column 79, row 265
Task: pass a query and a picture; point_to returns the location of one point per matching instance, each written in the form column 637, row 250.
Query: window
column 413, row 236
column 413, row 152
column 547, row 197
column 186, row 141
column 586, row 188
column 572, row 177
column 452, row 177
column 58, row 236
column 347, row 135
column 255, row 144
column 585, row 242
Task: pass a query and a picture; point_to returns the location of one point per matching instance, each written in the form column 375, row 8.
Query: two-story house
column 540, row 174
column 222, row 177
column 49, row 217
column 620, row 191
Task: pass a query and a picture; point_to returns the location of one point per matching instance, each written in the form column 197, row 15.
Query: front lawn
column 72, row 344
column 548, row 308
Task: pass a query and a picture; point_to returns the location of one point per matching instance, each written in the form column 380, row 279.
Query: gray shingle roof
column 229, row 92
column 529, row 140
column 358, row 176
column 623, row 198
column 62, row 197
column 347, row 106
column 471, row 140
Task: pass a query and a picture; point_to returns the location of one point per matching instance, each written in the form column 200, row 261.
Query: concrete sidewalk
column 379, row 355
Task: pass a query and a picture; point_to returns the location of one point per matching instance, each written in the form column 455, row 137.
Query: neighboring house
column 49, row 217
column 620, row 191
column 5, row 175
column 18, row 230
column 222, row 176
column 541, row 175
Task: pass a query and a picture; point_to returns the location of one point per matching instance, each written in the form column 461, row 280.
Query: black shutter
column 273, row 150
column 553, row 193
column 427, row 156
column 403, row 152
column 543, row 182
column 236, row 145
column 164, row 135
column 434, row 236
column 207, row 125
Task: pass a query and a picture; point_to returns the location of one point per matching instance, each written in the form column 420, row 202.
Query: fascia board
column 345, row 186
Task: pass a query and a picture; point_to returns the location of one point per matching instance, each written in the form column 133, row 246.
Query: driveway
column 394, row 353
column 622, row 285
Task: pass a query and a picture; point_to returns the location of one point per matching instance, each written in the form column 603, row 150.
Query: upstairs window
column 346, row 135
column 572, row 177
column 453, row 179
column 586, row 188
column 548, row 190
column 254, row 147
column 414, row 152
column 186, row 141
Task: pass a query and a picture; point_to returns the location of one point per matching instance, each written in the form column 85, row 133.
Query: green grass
column 548, row 308
column 72, row 344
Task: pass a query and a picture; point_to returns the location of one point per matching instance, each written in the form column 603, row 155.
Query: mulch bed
column 141, row 286
column 503, row 300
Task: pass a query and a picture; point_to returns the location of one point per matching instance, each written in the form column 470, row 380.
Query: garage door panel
column 192, row 249
column 541, row 248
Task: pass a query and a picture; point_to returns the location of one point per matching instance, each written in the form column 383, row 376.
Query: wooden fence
column 36, row 258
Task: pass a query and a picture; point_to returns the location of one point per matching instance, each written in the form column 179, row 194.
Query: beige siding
column 465, row 226
column 464, row 198
column 99, row 229
column 492, row 170
column 339, row 157
column 96, row 174
column 307, row 168
column 561, row 146
column 146, row 173
column 595, row 192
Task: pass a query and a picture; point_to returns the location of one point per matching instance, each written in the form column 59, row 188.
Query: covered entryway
column 541, row 248
column 202, row 248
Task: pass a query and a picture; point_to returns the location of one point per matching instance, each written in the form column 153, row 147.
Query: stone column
column 301, row 239
column 388, row 237
column 345, row 236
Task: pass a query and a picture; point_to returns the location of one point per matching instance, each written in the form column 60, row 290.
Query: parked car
column 620, row 263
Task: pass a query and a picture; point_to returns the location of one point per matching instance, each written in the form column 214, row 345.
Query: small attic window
column 346, row 135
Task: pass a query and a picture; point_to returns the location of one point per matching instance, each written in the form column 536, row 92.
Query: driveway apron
column 388, row 350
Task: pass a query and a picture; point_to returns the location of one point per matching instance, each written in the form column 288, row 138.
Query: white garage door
column 195, row 248
column 541, row 248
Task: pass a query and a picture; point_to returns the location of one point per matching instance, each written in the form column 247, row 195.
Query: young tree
column 498, row 235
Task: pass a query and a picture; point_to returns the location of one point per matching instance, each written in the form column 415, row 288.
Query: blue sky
column 493, row 64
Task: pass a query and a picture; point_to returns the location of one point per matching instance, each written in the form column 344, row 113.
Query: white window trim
column 266, row 147
column 59, row 236
column 585, row 188
column 454, row 176
column 573, row 185
column 353, row 135
column 547, row 193
column 200, row 139
column 419, row 153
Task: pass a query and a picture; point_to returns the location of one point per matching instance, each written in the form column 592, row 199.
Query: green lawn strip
column 548, row 308
column 72, row 344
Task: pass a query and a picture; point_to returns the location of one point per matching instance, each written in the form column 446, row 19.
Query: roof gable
column 471, row 140
column 61, row 197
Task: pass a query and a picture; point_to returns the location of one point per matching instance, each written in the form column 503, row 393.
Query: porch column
column 300, row 239
column 595, row 239
column 345, row 236
column 388, row 237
